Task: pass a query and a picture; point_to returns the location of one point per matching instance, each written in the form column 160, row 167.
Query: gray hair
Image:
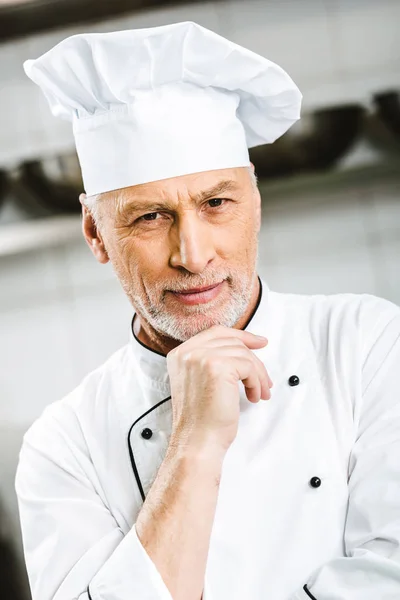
column 92, row 202
column 253, row 177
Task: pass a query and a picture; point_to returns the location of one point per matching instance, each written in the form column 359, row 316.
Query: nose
column 192, row 243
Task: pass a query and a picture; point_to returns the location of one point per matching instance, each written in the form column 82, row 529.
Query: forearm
column 175, row 523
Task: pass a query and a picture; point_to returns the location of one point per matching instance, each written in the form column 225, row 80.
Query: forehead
column 192, row 185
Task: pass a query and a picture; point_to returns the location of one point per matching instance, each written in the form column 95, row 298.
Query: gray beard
column 182, row 329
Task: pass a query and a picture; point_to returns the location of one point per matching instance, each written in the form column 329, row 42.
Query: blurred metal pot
column 315, row 142
column 49, row 186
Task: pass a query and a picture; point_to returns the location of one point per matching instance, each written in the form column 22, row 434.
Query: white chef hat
column 149, row 104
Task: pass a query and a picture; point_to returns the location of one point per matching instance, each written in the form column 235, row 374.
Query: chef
column 244, row 444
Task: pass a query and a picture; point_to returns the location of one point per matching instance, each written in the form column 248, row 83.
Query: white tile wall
column 336, row 51
column 326, row 272
column 330, row 242
column 294, row 34
column 367, row 46
column 383, row 229
column 101, row 322
column 390, row 269
column 37, row 349
column 83, row 269
column 322, row 220
column 61, row 315
column 386, row 206
column 367, row 34
column 28, row 278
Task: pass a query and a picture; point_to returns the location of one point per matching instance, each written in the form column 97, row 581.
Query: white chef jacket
column 87, row 464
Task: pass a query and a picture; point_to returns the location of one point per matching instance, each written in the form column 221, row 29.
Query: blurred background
column 330, row 188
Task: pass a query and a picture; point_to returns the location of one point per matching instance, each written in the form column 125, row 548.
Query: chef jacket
column 309, row 498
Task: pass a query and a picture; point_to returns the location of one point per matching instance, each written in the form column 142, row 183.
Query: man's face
column 186, row 232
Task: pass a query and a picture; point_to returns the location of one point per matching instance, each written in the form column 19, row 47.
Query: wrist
column 206, row 453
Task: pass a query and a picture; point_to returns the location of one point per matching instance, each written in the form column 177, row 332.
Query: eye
column 216, row 202
column 149, row 216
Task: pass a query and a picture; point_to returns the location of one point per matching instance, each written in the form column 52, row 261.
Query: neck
column 162, row 344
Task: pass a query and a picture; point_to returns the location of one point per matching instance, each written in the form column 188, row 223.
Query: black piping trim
column 133, row 463
column 257, row 305
column 88, row 593
column 309, row 594
column 164, row 355
column 142, row 343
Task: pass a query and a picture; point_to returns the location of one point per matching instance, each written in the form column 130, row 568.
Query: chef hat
column 150, row 104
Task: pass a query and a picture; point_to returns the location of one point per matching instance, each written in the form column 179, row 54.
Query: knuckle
column 247, row 359
column 174, row 354
column 212, row 364
column 240, row 343
column 190, row 357
column 171, row 355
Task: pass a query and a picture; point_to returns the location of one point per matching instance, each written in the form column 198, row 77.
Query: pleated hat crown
column 155, row 103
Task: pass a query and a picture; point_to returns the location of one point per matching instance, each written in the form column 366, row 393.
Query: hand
column 204, row 374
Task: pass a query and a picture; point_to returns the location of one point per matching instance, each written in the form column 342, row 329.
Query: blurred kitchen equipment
column 382, row 127
column 23, row 17
column 12, row 582
column 315, row 142
column 388, row 105
column 4, row 186
column 49, row 186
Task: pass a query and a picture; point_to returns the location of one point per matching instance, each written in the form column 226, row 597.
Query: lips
column 199, row 290
column 199, row 295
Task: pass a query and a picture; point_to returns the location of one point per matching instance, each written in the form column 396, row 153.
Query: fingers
column 249, row 375
column 250, row 370
column 229, row 343
column 233, row 343
column 219, row 331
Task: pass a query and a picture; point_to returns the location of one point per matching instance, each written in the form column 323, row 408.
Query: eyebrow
column 152, row 206
column 223, row 186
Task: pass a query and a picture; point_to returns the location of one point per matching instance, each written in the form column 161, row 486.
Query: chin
column 187, row 326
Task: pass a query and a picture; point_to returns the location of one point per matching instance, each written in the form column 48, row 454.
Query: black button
column 293, row 380
column 147, row 433
column 315, row 482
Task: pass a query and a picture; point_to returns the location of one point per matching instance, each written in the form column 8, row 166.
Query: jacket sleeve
column 74, row 549
column 371, row 567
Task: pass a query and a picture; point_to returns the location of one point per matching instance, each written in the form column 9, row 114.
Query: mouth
column 199, row 295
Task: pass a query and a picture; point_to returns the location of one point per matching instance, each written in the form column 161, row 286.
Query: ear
column 91, row 234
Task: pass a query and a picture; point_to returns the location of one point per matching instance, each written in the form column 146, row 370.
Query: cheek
column 122, row 256
column 145, row 259
column 240, row 236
